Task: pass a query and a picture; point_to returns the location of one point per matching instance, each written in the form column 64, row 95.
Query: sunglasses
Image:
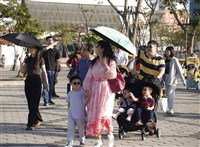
column 76, row 83
column 149, row 46
column 145, row 89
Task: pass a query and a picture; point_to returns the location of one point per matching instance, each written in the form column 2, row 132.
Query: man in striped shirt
column 150, row 62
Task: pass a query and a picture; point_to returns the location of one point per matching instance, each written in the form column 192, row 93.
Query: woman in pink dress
column 100, row 99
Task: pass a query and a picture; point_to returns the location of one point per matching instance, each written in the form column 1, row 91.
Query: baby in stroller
column 126, row 103
column 145, row 107
column 144, row 95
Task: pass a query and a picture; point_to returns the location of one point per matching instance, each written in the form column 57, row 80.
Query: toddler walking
column 76, row 111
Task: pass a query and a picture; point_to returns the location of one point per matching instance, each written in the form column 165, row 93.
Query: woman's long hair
column 107, row 52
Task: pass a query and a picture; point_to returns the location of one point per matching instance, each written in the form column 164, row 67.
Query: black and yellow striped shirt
column 150, row 66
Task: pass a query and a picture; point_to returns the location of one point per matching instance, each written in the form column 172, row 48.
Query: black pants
column 33, row 93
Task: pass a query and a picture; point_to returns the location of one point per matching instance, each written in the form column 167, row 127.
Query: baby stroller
column 192, row 73
column 128, row 126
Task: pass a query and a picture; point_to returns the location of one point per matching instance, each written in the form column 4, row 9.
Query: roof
column 56, row 13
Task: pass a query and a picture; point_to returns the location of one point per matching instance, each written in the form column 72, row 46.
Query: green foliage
column 65, row 32
column 21, row 16
column 91, row 37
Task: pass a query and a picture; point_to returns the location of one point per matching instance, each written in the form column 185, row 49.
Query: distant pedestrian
column 51, row 58
column 173, row 70
column 32, row 66
column 122, row 57
column 84, row 63
column 2, row 61
column 76, row 111
column 72, row 61
column 71, row 64
column 190, row 52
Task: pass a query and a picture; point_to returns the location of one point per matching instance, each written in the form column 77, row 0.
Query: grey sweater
column 174, row 72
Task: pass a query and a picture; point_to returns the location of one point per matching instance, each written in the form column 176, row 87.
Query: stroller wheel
column 158, row 133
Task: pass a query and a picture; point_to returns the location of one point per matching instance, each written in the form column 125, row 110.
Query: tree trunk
column 192, row 38
column 123, row 14
column 135, row 26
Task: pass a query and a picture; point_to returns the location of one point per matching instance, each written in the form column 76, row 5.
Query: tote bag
column 162, row 105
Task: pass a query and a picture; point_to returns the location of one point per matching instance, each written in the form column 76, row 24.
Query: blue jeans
column 143, row 114
column 51, row 78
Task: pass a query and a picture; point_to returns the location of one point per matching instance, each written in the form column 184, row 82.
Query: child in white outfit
column 126, row 105
column 76, row 111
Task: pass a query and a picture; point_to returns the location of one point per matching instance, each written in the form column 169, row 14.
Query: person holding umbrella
column 99, row 97
column 32, row 66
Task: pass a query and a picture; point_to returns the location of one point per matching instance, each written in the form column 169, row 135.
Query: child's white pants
column 72, row 124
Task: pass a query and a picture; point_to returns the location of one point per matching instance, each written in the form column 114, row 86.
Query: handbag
column 117, row 84
column 162, row 105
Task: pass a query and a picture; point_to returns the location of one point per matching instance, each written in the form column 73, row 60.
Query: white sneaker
column 69, row 145
column 170, row 111
column 99, row 143
column 114, row 116
column 110, row 141
column 128, row 118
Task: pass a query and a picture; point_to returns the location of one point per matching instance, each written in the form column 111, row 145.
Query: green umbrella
column 115, row 38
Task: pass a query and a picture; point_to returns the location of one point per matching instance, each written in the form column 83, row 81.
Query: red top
column 73, row 61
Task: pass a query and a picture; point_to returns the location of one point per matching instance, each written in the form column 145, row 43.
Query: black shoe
column 81, row 144
column 30, row 128
column 55, row 95
column 51, row 103
column 45, row 104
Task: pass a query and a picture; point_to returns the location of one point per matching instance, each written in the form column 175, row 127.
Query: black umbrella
column 22, row 39
column 28, row 40
column 11, row 37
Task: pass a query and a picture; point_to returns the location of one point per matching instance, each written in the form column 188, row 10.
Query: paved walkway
column 180, row 130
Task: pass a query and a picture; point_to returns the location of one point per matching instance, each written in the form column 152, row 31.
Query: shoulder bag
column 117, row 84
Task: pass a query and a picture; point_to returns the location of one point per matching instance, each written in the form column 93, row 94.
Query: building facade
column 52, row 13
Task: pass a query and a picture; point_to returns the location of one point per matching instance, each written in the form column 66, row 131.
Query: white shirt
column 122, row 58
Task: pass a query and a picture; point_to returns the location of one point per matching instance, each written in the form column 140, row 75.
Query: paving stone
column 180, row 130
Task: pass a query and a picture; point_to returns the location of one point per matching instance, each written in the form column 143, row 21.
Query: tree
column 65, row 32
column 20, row 17
column 191, row 26
column 151, row 22
column 136, row 22
column 124, row 15
column 87, row 14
